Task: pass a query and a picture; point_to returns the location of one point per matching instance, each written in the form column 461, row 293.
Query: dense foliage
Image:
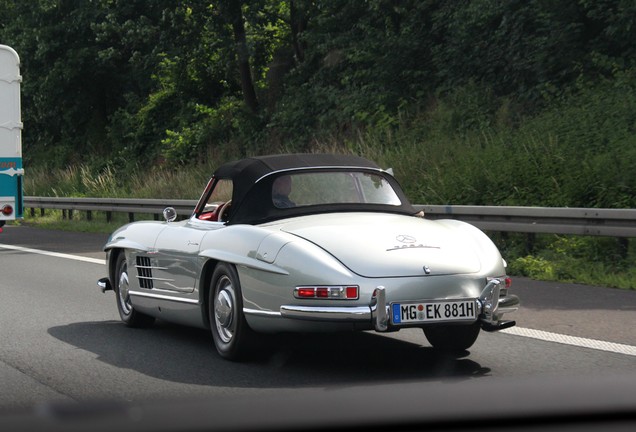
column 137, row 81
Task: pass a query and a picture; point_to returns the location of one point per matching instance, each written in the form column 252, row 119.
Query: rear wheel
column 128, row 314
column 452, row 337
column 232, row 336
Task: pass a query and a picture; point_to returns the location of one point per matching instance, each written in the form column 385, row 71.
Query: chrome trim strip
column 155, row 279
column 151, row 267
column 163, row 297
column 258, row 312
column 327, row 313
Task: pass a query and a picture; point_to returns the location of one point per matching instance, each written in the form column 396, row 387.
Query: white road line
column 54, row 254
column 572, row 340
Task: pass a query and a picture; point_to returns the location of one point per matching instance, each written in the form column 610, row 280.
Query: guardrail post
column 109, row 216
column 530, row 241
column 623, row 245
column 89, row 215
column 131, row 217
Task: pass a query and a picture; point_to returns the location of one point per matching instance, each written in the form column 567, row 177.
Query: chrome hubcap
column 224, row 310
column 123, row 288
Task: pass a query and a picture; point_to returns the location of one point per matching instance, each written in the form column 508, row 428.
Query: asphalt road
column 62, row 345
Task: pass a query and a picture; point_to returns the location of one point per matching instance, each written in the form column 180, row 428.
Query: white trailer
column 11, row 169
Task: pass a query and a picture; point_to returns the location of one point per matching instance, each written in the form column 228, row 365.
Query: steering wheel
column 225, row 208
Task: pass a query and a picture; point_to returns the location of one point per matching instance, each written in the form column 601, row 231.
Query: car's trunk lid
column 386, row 245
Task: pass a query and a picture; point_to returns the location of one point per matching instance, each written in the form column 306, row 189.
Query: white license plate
column 433, row 311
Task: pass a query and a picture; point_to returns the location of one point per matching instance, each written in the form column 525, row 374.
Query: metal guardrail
column 545, row 220
column 541, row 220
column 109, row 206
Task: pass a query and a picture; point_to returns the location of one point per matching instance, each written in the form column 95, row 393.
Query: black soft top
column 252, row 179
column 251, row 169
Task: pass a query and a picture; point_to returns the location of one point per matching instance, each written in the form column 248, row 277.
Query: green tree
column 133, row 81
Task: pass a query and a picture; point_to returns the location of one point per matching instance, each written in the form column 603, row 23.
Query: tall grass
column 141, row 182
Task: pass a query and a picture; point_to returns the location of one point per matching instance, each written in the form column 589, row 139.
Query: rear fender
column 240, row 260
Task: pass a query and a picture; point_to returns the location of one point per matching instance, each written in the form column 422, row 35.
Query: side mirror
column 169, row 214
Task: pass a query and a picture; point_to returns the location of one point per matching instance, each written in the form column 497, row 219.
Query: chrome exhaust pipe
column 104, row 285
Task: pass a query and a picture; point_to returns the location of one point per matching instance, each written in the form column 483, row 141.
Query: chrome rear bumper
column 326, row 313
column 491, row 306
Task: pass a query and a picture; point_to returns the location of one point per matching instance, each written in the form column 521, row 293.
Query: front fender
column 140, row 236
column 124, row 243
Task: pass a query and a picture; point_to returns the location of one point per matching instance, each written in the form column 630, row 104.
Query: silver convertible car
column 308, row 243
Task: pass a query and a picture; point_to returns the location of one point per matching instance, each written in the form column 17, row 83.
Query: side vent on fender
column 144, row 272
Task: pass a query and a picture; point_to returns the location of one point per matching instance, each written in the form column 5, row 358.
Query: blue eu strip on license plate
column 407, row 313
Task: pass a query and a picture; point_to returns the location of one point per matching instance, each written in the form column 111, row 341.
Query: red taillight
column 7, row 210
column 305, row 292
column 327, row 292
column 504, row 281
column 322, row 292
